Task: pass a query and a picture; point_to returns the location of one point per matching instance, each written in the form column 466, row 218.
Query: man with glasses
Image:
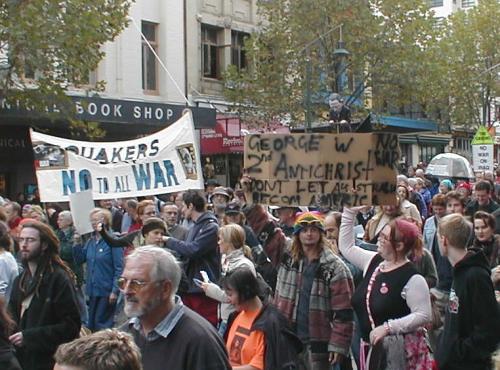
column 314, row 292
column 169, row 334
column 43, row 301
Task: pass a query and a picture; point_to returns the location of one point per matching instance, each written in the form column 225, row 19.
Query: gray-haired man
column 169, row 334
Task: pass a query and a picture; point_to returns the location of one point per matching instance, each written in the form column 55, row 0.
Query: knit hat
column 153, row 223
column 447, row 183
column 304, row 219
column 465, row 185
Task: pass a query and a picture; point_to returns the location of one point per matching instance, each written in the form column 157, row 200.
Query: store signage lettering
column 114, row 110
column 12, row 143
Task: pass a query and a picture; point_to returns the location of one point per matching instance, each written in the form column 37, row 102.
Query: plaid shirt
column 330, row 310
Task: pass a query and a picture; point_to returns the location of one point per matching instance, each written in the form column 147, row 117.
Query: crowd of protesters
column 203, row 280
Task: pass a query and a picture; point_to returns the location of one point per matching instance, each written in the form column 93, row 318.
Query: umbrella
column 450, row 165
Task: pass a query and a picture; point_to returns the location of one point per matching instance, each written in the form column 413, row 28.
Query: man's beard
column 33, row 256
column 133, row 309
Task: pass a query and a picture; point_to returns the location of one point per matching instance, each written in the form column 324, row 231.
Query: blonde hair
column 456, row 229
column 39, row 211
column 234, row 234
column 106, row 215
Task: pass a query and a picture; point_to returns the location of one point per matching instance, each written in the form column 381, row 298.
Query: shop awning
column 403, row 124
column 424, row 139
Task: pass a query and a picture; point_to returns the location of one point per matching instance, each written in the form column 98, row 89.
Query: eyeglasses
column 133, row 284
column 27, row 240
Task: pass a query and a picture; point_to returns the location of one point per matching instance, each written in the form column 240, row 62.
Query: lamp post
column 339, row 54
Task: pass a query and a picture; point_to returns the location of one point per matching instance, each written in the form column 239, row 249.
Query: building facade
column 143, row 92
column 215, row 36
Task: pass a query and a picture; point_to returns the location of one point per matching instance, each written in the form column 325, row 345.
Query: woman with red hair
column 392, row 302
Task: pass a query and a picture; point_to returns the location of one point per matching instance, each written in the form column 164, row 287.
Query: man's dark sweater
column 473, row 206
column 192, row 344
column 472, row 325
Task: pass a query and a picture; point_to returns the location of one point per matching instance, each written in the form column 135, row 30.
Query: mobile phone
column 198, row 282
column 204, row 275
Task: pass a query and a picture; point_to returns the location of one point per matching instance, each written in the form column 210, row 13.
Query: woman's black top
column 385, row 300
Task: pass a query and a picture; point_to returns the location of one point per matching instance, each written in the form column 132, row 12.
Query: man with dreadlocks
column 314, row 291
column 43, row 301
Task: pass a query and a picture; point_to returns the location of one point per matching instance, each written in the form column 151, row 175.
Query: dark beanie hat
column 153, row 224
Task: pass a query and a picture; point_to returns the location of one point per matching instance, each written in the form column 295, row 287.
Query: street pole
column 306, row 49
column 308, row 92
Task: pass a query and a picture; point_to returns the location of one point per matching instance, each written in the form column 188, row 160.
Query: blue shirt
column 104, row 266
column 166, row 325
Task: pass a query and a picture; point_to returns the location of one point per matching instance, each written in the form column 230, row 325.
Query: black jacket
column 282, row 346
column 472, row 323
column 52, row 318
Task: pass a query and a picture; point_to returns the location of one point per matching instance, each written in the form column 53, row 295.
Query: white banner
column 164, row 162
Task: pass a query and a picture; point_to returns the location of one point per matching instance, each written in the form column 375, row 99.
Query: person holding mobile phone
column 235, row 254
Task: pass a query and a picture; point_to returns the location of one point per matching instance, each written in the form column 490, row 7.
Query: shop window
column 149, row 63
column 436, row 3
column 238, row 55
column 211, row 58
column 220, row 165
column 427, row 152
column 29, row 73
column 406, row 153
column 468, row 3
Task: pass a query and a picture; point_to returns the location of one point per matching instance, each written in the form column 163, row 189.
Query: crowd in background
column 205, row 280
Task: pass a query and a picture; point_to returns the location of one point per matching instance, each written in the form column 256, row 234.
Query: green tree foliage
column 388, row 40
column 57, row 41
column 469, row 55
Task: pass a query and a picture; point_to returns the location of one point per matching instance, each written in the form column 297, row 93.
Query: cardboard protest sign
column 81, row 204
column 164, row 162
column 322, row 169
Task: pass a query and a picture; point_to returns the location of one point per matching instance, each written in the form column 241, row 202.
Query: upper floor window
column 149, row 63
column 211, row 58
column 468, row 3
column 436, row 3
column 238, row 55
